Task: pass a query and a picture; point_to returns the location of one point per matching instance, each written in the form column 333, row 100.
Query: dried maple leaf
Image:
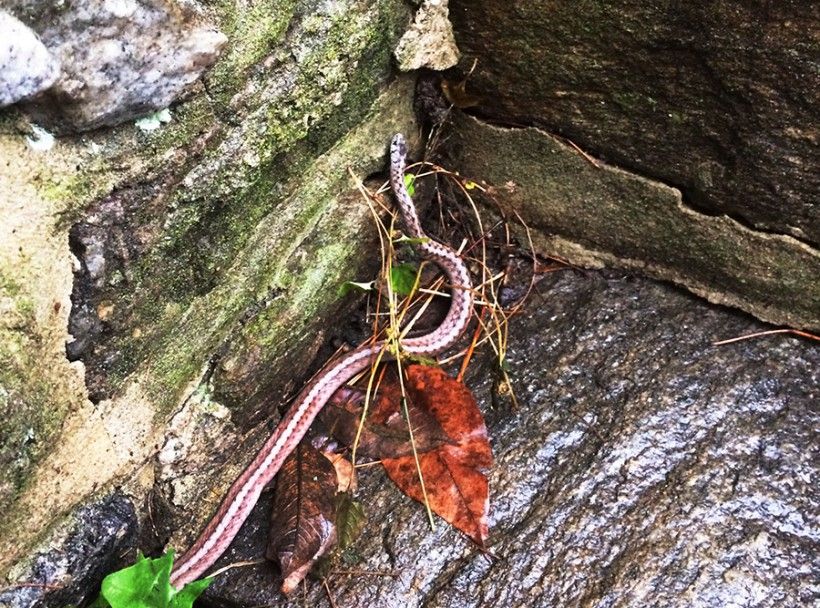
column 456, row 486
column 303, row 524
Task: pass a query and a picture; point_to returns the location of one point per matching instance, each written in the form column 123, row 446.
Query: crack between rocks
column 686, row 196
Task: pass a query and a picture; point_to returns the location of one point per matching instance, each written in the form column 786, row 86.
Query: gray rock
column 122, row 60
column 594, row 215
column 643, row 467
column 429, row 42
column 716, row 98
column 80, row 553
column 245, row 201
column 26, row 66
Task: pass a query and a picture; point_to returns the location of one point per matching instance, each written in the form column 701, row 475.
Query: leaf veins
column 457, row 488
column 304, row 514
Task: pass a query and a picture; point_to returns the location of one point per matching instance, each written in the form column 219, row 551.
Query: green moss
column 267, row 117
column 232, row 199
column 253, row 34
column 72, row 189
column 188, row 121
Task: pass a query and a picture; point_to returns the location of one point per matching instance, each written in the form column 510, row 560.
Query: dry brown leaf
column 303, row 523
column 384, row 433
column 456, row 486
column 456, row 93
column 345, row 472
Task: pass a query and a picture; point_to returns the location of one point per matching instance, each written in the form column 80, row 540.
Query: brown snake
column 245, row 491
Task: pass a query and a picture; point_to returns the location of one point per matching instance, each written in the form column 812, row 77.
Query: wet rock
column 651, row 467
column 26, row 66
column 715, row 98
column 594, row 215
column 643, row 466
column 79, row 554
column 121, row 60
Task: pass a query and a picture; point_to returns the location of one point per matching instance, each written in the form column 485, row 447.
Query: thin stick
column 329, row 595
column 46, row 586
column 354, row 572
column 253, row 562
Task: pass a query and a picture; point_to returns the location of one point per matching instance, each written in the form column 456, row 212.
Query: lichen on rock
column 429, row 42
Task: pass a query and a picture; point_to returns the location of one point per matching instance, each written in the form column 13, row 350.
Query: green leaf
column 147, row 584
column 403, row 278
column 410, row 183
column 421, row 360
column 349, row 286
column 350, row 519
column 191, row 591
column 409, row 240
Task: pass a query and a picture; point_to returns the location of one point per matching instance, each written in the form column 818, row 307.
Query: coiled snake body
column 245, row 491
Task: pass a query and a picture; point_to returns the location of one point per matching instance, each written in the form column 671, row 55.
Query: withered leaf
column 345, row 472
column 457, row 488
column 303, row 523
column 349, row 519
column 456, row 93
column 385, row 432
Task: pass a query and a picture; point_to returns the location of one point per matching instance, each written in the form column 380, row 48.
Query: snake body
column 245, row 491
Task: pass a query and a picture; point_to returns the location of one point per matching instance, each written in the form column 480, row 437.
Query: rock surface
column 26, row 66
column 208, row 256
column 643, row 466
column 593, row 214
column 121, row 60
column 717, row 99
column 89, row 547
column 429, row 43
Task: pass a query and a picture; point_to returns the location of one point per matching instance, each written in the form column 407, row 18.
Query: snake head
column 398, row 147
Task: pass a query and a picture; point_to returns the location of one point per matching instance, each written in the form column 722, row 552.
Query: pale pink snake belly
column 243, row 494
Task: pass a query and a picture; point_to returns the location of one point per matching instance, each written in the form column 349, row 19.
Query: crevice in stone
column 691, row 199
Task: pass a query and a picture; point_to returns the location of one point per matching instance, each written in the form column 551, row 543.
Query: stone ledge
column 593, row 214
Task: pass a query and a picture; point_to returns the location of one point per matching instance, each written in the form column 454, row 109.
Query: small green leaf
column 421, row 360
column 408, row 240
column 191, row 591
column 350, row 519
column 147, row 584
column 403, row 278
column 410, row 183
column 348, row 286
